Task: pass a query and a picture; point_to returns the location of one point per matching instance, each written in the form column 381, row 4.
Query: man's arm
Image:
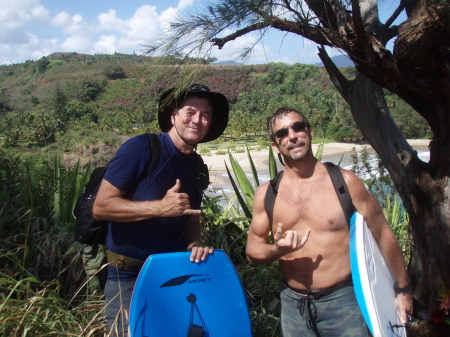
column 369, row 208
column 111, row 205
column 258, row 250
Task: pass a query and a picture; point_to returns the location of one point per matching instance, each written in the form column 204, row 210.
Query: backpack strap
column 271, row 194
column 341, row 190
column 202, row 175
column 155, row 150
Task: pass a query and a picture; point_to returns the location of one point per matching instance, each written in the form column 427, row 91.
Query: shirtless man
column 311, row 238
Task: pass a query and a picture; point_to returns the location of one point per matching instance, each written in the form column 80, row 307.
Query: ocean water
column 263, row 175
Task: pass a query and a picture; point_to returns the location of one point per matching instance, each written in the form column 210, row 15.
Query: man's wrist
column 402, row 290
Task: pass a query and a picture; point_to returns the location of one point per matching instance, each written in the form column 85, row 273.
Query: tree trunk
column 425, row 195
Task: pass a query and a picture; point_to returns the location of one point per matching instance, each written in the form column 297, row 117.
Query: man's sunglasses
column 297, row 127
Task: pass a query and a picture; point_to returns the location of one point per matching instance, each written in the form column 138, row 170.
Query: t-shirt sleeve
column 129, row 163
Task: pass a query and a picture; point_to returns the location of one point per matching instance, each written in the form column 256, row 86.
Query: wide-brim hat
column 170, row 100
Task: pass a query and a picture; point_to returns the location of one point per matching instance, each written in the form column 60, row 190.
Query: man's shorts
column 335, row 314
column 117, row 306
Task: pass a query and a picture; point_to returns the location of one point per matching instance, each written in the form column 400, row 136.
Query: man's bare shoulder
column 260, row 193
column 349, row 176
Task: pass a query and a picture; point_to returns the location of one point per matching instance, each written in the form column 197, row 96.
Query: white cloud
column 33, row 49
column 143, row 25
column 110, row 21
column 77, row 26
column 107, row 44
column 15, row 15
column 40, row 13
column 167, row 16
column 184, row 4
column 61, row 19
column 127, row 35
column 76, row 43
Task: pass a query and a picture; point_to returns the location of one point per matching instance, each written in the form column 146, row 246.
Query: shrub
column 114, row 72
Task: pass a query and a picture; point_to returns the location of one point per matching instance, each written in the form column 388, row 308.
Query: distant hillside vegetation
column 69, row 102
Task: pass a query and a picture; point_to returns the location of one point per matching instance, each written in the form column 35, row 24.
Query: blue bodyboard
column 176, row 297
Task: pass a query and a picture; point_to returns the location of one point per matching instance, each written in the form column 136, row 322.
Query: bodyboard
column 176, row 297
column 373, row 282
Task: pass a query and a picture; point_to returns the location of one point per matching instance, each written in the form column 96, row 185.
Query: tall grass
column 33, row 308
column 43, row 288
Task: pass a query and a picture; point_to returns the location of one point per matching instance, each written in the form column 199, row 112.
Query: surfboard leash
column 196, row 330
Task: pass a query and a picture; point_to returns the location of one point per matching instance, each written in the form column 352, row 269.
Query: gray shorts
column 336, row 314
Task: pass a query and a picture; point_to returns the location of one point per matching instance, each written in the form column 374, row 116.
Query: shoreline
column 334, row 152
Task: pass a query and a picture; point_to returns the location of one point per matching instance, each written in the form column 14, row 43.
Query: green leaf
column 254, row 171
column 273, row 171
column 244, row 183
column 319, row 152
column 241, row 200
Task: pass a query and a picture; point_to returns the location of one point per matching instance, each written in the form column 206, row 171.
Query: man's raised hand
column 290, row 240
column 175, row 203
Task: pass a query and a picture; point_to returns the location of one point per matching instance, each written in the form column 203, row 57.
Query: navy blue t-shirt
column 159, row 235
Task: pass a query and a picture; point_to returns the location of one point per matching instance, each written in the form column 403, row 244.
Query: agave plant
column 243, row 187
column 69, row 183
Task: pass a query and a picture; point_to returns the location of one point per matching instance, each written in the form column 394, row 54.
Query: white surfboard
column 373, row 282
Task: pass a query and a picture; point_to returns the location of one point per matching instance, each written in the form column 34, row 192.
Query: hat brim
column 220, row 108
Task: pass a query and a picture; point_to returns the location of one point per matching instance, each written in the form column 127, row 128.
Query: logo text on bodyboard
column 189, row 279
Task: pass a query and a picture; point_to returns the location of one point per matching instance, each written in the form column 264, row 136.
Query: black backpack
column 339, row 185
column 87, row 229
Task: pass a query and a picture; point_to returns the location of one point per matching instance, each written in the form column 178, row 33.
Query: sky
column 31, row 29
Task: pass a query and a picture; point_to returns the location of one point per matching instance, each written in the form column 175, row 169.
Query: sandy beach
column 331, row 152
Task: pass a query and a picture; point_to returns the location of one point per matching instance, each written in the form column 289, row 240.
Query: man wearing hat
column 160, row 213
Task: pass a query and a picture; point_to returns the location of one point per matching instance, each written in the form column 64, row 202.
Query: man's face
column 193, row 120
column 292, row 137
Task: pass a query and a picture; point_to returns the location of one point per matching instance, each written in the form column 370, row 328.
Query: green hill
column 80, row 104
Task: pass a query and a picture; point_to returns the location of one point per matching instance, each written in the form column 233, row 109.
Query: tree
column 417, row 71
column 41, row 65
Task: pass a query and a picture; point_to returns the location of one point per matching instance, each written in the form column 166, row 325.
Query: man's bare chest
column 309, row 205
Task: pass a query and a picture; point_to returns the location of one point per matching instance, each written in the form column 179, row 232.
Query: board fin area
column 176, row 297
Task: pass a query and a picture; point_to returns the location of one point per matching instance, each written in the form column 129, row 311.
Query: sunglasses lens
column 282, row 133
column 299, row 126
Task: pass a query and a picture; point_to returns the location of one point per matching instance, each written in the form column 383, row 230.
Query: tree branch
column 220, row 42
column 357, row 20
column 319, row 35
column 394, row 15
column 313, row 33
column 324, row 12
column 287, row 4
column 338, row 79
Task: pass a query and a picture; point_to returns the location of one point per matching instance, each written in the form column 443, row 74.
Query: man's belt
column 123, row 262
